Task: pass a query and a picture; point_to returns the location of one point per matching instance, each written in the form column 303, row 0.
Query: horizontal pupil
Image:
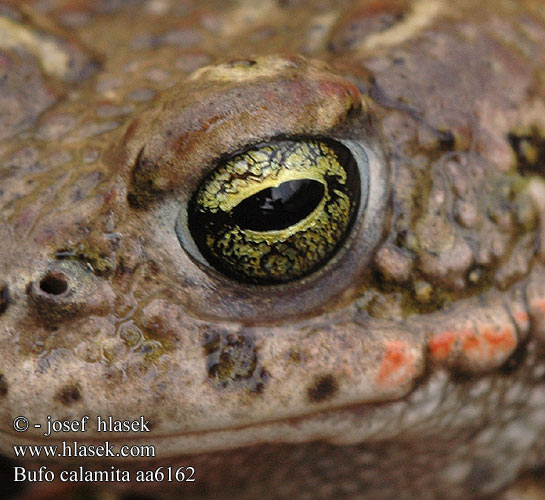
column 278, row 207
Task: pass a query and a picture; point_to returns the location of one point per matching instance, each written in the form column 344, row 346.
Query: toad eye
column 277, row 211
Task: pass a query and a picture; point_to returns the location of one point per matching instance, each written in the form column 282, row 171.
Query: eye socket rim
column 190, row 247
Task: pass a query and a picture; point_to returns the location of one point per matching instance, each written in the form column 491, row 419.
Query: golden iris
column 277, row 211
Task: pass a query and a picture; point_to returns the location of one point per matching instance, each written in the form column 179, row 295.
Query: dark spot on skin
column 379, row 278
column 446, row 140
column 3, row 386
column 54, row 283
column 529, row 148
column 515, row 360
column 134, row 201
column 324, row 388
column 69, row 395
column 4, row 297
column 242, row 63
column 295, row 355
column 401, row 239
column 232, row 358
column 353, row 111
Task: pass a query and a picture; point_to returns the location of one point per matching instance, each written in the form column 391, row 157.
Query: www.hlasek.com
column 106, row 449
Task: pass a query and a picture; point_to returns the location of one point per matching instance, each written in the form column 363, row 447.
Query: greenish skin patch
column 101, row 265
column 278, row 255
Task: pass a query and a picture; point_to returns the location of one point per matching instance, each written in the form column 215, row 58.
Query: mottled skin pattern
column 411, row 366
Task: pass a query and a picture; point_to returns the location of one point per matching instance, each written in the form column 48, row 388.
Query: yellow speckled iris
column 277, row 211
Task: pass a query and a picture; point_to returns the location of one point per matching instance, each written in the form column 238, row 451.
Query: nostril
column 65, row 289
column 54, row 283
column 53, row 294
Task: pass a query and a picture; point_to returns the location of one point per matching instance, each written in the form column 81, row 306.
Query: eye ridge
column 276, row 211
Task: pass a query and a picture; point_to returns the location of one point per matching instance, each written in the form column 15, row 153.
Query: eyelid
column 173, row 143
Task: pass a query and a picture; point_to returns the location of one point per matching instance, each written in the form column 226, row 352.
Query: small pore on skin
column 323, row 389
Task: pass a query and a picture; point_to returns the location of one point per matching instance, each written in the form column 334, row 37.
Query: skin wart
column 410, row 365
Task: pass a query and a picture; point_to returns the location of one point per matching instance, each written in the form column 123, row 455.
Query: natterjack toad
column 303, row 241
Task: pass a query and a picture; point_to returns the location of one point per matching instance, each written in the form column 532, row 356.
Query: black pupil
column 278, row 207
